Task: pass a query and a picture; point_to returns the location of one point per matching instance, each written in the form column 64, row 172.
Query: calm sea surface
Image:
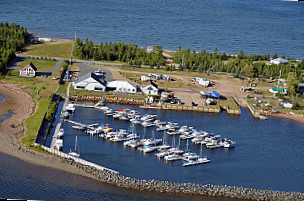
column 35, row 182
column 260, row 26
column 268, row 155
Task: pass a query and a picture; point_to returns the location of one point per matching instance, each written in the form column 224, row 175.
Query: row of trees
column 12, row 38
column 246, row 65
column 129, row 53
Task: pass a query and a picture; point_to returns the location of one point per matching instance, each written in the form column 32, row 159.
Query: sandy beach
column 22, row 104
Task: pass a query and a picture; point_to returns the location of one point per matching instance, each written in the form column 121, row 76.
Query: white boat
column 172, row 157
column 196, row 162
column 109, row 112
column 130, row 141
column 136, row 119
column 66, row 114
column 162, row 154
column 151, row 141
column 190, row 156
column 70, row 107
column 229, row 144
column 58, row 144
column 60, row 133
column 185, row 137
column 74, row 153
column 147, row 124
column 135, row 144
column 161, row 128
column 148, row 117
column 149, row 149
column 81, row 128
column 176, row 151
column 163, row 147
column 183, row 129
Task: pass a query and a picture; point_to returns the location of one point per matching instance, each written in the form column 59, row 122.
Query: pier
column 59, row 123
column 79, row 124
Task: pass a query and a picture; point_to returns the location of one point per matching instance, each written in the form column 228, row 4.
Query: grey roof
column 91, row 75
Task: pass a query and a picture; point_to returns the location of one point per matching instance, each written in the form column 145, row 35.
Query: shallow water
column 261, row 26
column 268, row 154
column 2, row 97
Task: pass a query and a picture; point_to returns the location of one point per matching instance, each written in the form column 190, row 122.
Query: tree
column 241, row 54
column 275, row 56
column 249, row 70
column 292, row 83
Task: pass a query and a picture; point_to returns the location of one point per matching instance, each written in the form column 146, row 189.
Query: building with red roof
column 28, row 70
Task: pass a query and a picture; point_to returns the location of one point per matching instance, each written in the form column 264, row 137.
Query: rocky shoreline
column 184, row 188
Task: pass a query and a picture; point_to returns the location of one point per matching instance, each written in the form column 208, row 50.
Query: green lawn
column 60, row 49
column 41, row 64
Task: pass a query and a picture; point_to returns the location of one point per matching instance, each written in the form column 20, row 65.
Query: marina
column 226, row 163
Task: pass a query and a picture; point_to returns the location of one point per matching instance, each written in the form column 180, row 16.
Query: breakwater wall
column 118, row 100
column 113, row 177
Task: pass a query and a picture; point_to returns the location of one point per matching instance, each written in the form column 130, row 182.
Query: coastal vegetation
column 129, row 53
column 60, row 48
column 12, row 39
column 247, row 65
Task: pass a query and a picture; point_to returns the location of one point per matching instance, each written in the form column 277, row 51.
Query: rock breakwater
column 118, row 100
column 185, row 188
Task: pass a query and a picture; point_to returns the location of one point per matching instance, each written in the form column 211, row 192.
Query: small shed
column 29, row 70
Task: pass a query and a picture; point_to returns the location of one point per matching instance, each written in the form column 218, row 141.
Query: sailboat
column 74, row 153
column 197, row 161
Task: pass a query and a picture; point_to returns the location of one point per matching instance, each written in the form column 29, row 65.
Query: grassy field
column 41, row 64
column 60, row 49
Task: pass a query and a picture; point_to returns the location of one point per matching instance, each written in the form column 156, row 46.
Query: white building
column 122, row 86
column 279, row 61
column 90, row 82
column 28, row 71
column 150, row 88
column 144, row 78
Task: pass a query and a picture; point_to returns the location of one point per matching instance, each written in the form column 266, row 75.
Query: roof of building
column 150, row 82
column 280, row 60
column 91, row 75
column 31, row 65
column 119, row 83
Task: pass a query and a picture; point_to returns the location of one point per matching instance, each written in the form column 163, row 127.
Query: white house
column 122, row 86
column 28, row 71
column 279, row 61
column 150, row 88
column 90, row 82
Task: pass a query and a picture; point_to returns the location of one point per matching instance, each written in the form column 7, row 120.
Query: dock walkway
column 79, row 124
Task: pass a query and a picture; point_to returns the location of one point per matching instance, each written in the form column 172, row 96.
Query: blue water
column 2, row 97
column 268, row 155
column 42, row 183
column 260, row 26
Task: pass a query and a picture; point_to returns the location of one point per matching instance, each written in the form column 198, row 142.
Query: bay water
column 257, row 27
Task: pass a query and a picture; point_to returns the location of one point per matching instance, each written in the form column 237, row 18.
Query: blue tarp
column 208, row 94
column 215, row 94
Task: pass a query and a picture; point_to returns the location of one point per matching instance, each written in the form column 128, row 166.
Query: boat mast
column 75, row 142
